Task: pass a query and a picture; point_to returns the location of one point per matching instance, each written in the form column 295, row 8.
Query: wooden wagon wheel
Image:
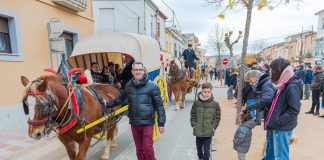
column 161, row 83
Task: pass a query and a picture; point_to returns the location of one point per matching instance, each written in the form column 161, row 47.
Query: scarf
column 285, row 76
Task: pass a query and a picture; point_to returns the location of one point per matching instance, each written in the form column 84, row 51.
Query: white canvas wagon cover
column 141, row 48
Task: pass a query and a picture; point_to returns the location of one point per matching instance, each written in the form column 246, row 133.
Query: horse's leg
column 183, row 99
column 70, row 147
column 180, row 100
column 83, row 148
column 176, row 97
column 114, row 140
column 105, row 154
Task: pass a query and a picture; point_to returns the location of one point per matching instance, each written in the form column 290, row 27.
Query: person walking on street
column 189, row 57
column 243, row 135
column 205, row 117
column 283, row 114
column 144, row 100
column 308, row 81
column 301, row 73
column 215, row 73
column 316, row 90
column 231, row 84
column 211, row 73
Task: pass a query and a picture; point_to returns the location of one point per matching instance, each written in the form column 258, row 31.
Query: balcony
column 76, row 5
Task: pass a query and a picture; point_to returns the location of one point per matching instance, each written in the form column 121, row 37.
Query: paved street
column 177, row 143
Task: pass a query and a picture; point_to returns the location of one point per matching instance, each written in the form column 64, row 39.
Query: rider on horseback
column 189, row 57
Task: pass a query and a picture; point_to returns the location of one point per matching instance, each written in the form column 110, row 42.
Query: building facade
column 136, row 16
column 25, row 44
column 298, row 49
column 179, row 43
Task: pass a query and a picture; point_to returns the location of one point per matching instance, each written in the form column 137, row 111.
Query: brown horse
column 47, row 100
column 179, row 83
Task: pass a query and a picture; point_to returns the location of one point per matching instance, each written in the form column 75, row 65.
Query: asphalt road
column 177, row 143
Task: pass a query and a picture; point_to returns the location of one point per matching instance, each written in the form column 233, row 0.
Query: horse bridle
column 47, row 105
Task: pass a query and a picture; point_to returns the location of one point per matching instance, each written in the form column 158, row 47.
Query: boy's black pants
column 203, row 147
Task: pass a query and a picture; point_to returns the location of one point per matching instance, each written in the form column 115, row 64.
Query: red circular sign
column 225, row 61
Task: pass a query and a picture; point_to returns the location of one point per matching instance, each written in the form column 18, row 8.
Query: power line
column 174, row 16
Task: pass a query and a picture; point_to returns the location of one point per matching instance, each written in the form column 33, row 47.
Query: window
column 5, row 46
column 107, row 20
column 319, row 47
column 10, row 42
column 68, row 37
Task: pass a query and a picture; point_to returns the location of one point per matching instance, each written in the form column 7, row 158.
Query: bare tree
column 216, row 40
column 248, row 4
column 228, row 42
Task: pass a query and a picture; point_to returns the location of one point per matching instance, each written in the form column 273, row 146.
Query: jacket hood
column 139, row 83
column 264, row 78
column 200, row 98
column 251, row 124
column 295, row 80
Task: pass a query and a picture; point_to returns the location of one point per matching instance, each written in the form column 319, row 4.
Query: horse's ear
column 24, row 80
column 43, row 86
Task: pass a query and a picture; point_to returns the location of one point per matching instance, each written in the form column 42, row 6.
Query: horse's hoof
column 113, row 148
column 176, row 109
column 104, row 157
column 181, row 108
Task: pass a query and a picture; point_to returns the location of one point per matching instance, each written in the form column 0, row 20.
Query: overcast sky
column 272, row 26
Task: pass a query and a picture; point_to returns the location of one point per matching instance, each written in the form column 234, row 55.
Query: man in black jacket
column 189, row 56
column 144, row 100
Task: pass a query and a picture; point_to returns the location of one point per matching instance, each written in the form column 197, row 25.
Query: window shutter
column 4, row 25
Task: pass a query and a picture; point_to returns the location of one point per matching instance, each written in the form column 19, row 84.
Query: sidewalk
column 310, row 131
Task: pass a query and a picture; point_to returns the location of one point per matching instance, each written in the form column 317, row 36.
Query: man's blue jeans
column 277, row 145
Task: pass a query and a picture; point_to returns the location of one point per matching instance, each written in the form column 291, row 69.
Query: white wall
column 125, row 16
column 162, row 33
column 150, row 21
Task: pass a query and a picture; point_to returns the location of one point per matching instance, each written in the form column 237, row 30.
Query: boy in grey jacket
column 243, row 135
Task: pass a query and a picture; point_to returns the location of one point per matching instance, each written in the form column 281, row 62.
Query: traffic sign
column 225, row 61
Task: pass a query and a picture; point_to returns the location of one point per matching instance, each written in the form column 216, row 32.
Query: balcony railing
column 76, row 5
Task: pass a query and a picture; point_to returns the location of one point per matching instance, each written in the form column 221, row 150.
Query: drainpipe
column 145, row 16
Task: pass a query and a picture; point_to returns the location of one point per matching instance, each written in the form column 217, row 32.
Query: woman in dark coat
column 282, row 115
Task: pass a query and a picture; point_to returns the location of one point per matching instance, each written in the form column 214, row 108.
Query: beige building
column 168, row 44
column 301, row 48
column 25, row 44
column 298, row 49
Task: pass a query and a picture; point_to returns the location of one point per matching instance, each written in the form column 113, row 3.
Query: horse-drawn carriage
column 66, row 103
column 179, row 82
